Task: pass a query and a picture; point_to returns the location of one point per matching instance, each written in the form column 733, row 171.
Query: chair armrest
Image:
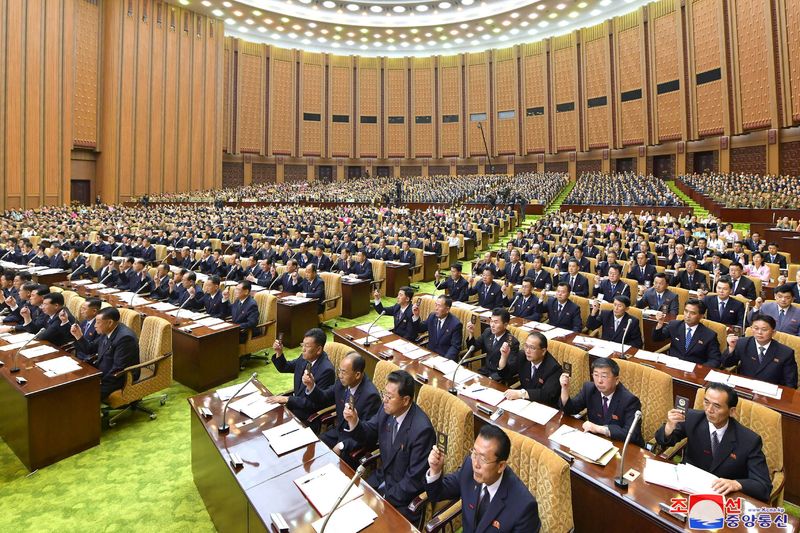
column 331, row 300
column 370, row 458
column 320, row 415
column 663, row 349
column 443, row 518
column 515, row 385
column 669, row 453
column 265, row 324
column 151, row 362
column 418, row 502
column 595, row 332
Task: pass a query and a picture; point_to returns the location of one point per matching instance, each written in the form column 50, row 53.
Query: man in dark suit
column 690, row 279
column 57, row 259
column 689, row 339
column 578, row 284
column 26, row 314
column 618, row 326
column 541, row 277
column 404, row 435
column 610, row 407
column 191, row 297
column 383, row 253
column 741, row 284
column 721, row 307
column 89, row 310
column 53, row 323
column 108, row 273
column 561, row 311
column 493, row 498
column 353, row 385
column 125, row 271
column 772, row 256
column 363, row 267
column 344, row 265
column 500, row 347
column 444, row 329
column 244, row 310
column 291, row 280
column 524, row 304
column 161, row 283
column 613, row 286
column 514, row 270
column 718, row 444
column 786, row 316
column 313, row 359
column 456, row 286
column 147, row 251
column 490, row 294
column 539, row 373
column 76, row 264
column 113, row 350
column 762, row 357
column 401, row 312
column 643, row 272
column 715, row 268
column 658, row 297
column 215, row 301
column 406, row 256
column 312, row 286
column 139, row 280
column 583, row 263
column 320, row 260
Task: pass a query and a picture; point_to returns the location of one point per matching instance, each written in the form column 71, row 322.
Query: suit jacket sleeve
column 251, row 318
column 455, row 342
column 283, row 365
column 88, row 347
column 577, row 326
column 549, row 391
column 661, row 334
column 732, row 358
column 594, row 322
column 757, row 483
column 673, row 306
column 578, row 403
column 620, row 432
column 126, row 354
column 304, row 401
column 714, row 355
column 447, row 487
column 413, row 482
column 677, row 435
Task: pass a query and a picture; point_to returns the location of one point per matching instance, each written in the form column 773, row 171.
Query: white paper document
column 59, row 366
column 535, row 412
column 483, row 394
column 19, row 337
column 448, row 366
column 14, row 346
column 602, row 351
column 209, row 321
column 681, row 477
column 417, row 354
column 584, row 444
column 79, row 282
column 228, row 392
column 402, row 346
column 289, row 436
column 295, row 299
column 163, row 306
column 47, row 271
column 96, row 286
column 37, row 351
column 323, row 486
column 350, row 518
column 217, row 327
column 108, row 290
column 253, row 405
column 556, row 333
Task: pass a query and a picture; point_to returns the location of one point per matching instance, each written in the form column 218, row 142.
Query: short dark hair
column 660, row 275
column 624, row 300
column 725, row 279
column 539, row 335
column 29, row 286
column 735, row 264
column 214, row 279
column 503, row 313
column 191, row 276
column 457, row 266
column 701, row 307
column 448, row 302
column 564, row 284
column 764, row 318
column 357, row 360
column 55, row 298
column 94, row 303
column 41, row 290
column 408, row 291
column 318, row 335
column 605, row 362
column 783, row 288
column 404, row 381
column 492, row 432
column 246, row 285
column 733, row 396
column 109, row 313
column 616, row 267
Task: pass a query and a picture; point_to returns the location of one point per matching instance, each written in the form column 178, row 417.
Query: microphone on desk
column 5, row 254
column 620, row 481
column 106, row 276
column 15, row 368
column 277, row 277
column 195, row 264
column 130, row 304
column 366, row 341
column 224, row 427
column 76, row 271
column 178, row 312
column 453, row 389
column 359, row 472
column 115, row 249
column 624, row 332
column 510, row 307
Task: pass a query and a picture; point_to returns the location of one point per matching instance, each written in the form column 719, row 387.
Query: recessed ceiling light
column 543, row 24
column 453, row 32
column 389, row 31
column 349, row 43
column 275, row 36
column 561, row 6
column 206, row 3
column 458, row 40
column 351, row 34
column 322, row 40
column 279, row 28
column 533, row 16
column 256, row 12
column 422, row 8
column 582, row 5
column 324, row 31
column 329, row 4
column 404, row 44
column 353, row 7
column 217, row 13
column 250, row 22
column 524, row 23
column 595, row 12
column 413, row 30
column 467, row 2
column 506, row 23
column 293, row 35
column 464, row 26
column 227, row 4
column 540, row 7
column 243, row 29
column 376, row 9
column 475, row 42
column 486, row 37
column 184, row 2
column 230, row 22
column 284, row 19
column 428, row 34
column 552, row 15
column 496, row 30
column 262, row 29
column 297, row 27
column 605, row 3
column 237, row 13
column 514, row 15
column 398, row 9
column 444, row 5
column 489, row 21
column 363, row 30
column 267, row 21
column 431, row 43
column 563, row 23
column 513, row 31
column 377, row 43
column 439, row 29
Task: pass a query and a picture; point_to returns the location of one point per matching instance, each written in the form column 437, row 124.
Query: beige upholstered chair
column 417, row 272
column 132, row 319
column 68, row 295
column 382, row 370
column 653, row 388
column 264, row 335
column 155, row 367
column 74, row 306
column 332, row 306
column 379, row 275
column 578, row 358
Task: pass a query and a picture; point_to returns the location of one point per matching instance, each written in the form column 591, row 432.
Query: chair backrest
column 452, row 417
column 155, row 339
column 74, row 306
column 578, row 358
column 683, row 297
column 636, row 313
column 720, row 329
column 336, row 352
column 547, row 477
column 68, row 295
column 653, row 388
column 333, row 289
column 267, row 306
column 427, row 304
column 379, row 273
column 382, row 370
column 161, row 251
column 583, row 305
column 757, row 282
column 132, row 319
column 95, row 260
column 55, row 288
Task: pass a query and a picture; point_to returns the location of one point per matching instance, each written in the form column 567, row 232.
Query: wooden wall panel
column 250, row 98
column 369, row 103
column 341, row 98
column 183, row 125
column 395, row 90
column 212, row 112
column 666, row 60
column 705, row 33
column 536, row 110
column 157, row 90
column 477, row 102
column 792, row 18
column 142, row 112
column 85, row 92
column 751, row 27
column 33, row 52
column 227, row 94
column 565, row 92
column 450, row 94
column 171, row 97
column 282, row 101
column 422, row 105
column 312, row 94
column 631, row 91
column 506, row 100
column 596, row 75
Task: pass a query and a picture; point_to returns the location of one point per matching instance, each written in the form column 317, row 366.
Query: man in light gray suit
column 787, row 316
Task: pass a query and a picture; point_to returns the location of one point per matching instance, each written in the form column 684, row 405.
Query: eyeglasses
column 476, row 456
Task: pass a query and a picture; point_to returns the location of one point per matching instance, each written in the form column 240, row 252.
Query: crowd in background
column 747, row 190
column 595, row 188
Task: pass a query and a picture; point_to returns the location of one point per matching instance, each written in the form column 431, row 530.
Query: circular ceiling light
column 353, row 7
column 329, row 4
column 376, row 9
column 467, row 2
column 217, row 12
column 422, row 8
column 445, row 5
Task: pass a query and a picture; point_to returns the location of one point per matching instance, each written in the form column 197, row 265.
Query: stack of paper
column 535, row 412
column 14, row 346
column 671, row 362
column 19, row 337
column 402, row 346
column 483, row 394
column 228, row 392
column 47, row 271
column 464, row 305
column 682, row 477
column 541, row 326
column 163, row 306
column 79, row 282
column 448, row 366
column 217, row 327
column 556, row 333
column 293, row 300
column 59, row 366
column 323, row 486
column 43, row 349
column 417, row 354
column 253, row 405
column 589, row 446
column 350, row 518
column 95, row 286
column 209, row 321
column 183, row 313
column 757, row 386
column 289, row 436
column 108, row 290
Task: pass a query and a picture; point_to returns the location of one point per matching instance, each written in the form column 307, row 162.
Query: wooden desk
column 295, row 319
column 469, row 249
column 48, row 419
column 396, row 277
column 356, row 298
column 453, row 256
column 240, row 499
column 431, row 264
column 51, row 279
column 598, row 505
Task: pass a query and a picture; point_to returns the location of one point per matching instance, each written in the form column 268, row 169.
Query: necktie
column 571, row 283
column 616, row 323
column 761, row 354
column 688, row 338
column 533, row 374
column 560, row 308
column 735, row 284
column 613, row 289
column 780, row 317
column 395, row 427
column 483, row 503
column 721, row 309
column 658, row 300
column 605, row 407
column 86, row 328
column 714, row 444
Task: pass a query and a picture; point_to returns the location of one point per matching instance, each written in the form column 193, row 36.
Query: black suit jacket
column 403, row 324
column 778, row 366
column 605, row 319
column 570, row 317
column 488, row 299
column 540, row 279
column 366, row 400
column 522, row 308
column 115, row 352
column 485, row 343
column 734, row 311
column 215, row 306
column 246, row 315
column 54, row 332
column 740, row 455
column 545, row 386
column 458, row 290
column 581, row 285
column 682, row 280
column 642, row 275
column 704, row 348
column 649, row 300
column 516, row 276
column 621, row 410
column 745, row 287
column 301, row 404
column 608, row 290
